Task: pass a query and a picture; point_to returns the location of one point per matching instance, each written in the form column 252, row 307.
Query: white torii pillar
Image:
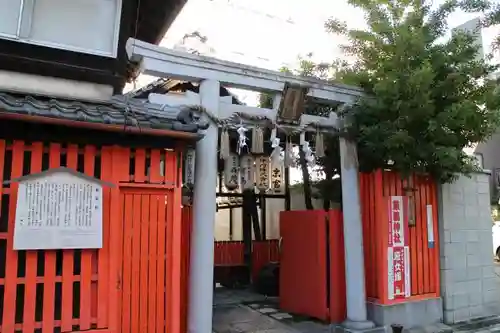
column 201, row 273
column 353, row 239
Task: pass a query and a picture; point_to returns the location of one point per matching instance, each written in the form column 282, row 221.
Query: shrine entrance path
column 237, row 318
column 241, row 311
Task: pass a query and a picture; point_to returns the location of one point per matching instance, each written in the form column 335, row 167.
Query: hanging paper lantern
column 231, row 172
column 247, row 172
column 257, row 140
column 289, row 157
column 276, row 158
column 224, row 149
column 263, row 173
column 189, row 164
column 319, row 145
column 277, row 179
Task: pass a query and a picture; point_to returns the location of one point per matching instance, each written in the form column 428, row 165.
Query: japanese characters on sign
column 396, row 225
column 263, row 173
column 232, row 172
column 398, row 250
column 247, row 172
column 62, row 211
column 398, row 272
column 189, row 166
column 277, row 179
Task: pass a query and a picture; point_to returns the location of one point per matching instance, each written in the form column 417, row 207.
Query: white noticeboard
column 59, row 210
column 430, row 227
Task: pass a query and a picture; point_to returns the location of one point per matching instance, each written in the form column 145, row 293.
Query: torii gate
column 211, row 73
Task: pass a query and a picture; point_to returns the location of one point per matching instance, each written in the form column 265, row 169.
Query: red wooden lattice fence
column 230, row 253
column 49, row 291
column 88, row 290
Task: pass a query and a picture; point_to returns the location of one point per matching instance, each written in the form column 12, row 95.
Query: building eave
column 155, row 18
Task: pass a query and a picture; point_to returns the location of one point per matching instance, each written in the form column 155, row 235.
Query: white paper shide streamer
column 231, row 172
column 242, row 139
column 189, row 165
column 262, row 173
column 247, row 172
column 304, row 145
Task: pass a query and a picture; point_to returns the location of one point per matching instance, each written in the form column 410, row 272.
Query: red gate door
column 147, row 217
column 303, row 286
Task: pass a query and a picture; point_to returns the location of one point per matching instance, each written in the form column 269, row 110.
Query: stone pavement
column 253, row 318
column 242, row 319
column 241, row 311
column 237, row 318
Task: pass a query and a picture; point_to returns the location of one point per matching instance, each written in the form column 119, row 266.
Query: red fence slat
column 31, row 256
column 11, row 262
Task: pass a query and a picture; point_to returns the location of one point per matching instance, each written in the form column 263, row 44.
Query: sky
column 273, row 33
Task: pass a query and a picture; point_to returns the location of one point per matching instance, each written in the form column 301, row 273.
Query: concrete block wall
column 469, row 286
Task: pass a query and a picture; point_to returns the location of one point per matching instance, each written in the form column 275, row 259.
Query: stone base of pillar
column 373, row 329
column 358, row 325
column 410, row 314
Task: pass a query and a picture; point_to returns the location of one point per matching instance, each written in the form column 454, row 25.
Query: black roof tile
column 120, row 110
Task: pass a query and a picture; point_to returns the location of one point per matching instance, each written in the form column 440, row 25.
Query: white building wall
column 273, row 209
column 469, row 286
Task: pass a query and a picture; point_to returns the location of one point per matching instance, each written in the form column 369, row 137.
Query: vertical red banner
column 398, row 250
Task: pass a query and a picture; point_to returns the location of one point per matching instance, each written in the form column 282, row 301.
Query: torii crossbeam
column 211, row 73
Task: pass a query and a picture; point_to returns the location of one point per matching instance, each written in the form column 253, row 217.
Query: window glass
column 82, row 24
column 9, row 16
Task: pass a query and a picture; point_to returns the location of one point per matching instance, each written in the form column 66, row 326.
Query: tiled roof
column 151, row 87
column 162, row 86
column 120, row 110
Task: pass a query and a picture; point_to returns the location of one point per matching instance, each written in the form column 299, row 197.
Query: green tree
column 425, row 100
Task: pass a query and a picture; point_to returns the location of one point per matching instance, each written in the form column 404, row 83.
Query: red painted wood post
column 8, row 322
column 31, row 256
column 50, row 259
column 337, row 306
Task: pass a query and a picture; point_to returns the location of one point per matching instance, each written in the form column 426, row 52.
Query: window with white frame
column 88, row 26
